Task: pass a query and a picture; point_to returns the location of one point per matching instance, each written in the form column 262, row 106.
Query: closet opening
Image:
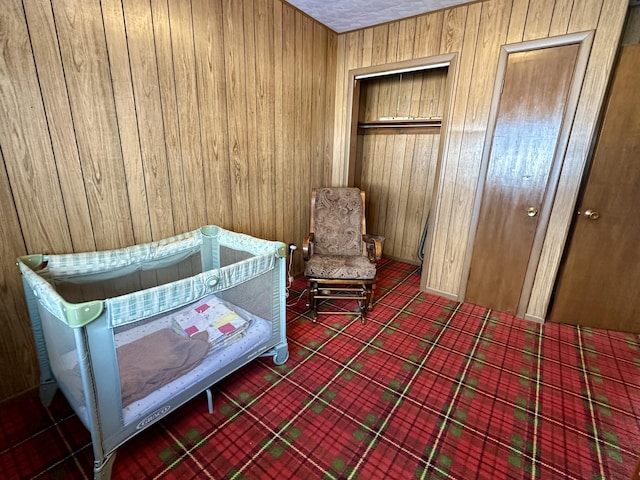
column 398, row 121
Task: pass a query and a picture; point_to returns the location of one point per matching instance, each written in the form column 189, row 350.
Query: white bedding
column 258, row 333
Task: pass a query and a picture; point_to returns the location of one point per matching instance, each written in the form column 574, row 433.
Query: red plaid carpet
column 428, row 388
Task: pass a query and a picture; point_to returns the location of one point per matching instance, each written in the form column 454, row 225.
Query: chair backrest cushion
column 338, row 221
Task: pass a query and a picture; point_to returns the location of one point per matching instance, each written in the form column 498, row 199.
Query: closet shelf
column 421, row 125
column 403, row 122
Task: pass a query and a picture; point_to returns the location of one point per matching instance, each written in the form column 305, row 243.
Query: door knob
column 592, row 214
column 532, row 211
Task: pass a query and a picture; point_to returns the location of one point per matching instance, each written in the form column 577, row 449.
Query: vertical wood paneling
column 127, row 125
column 237, row 114
column 419, row 193
column 24, row 140
column 447, row 181
column 340, row 121
column 253, row 169
column 280, row 170
column 491, row 35
column 148, row 114
column 61, row 128
column 85, row 59
column 428, row 34
column 538, row 19
column 454, row 29
column 519, row 12
column 330, row 102
column 561, row 17
column 585, row 14
column 180, row 21
column 16, row 345
column 408, row 156
column 126, row 121
column 265, row 93
column 399, row 193
column 317, row 112
column 460, row 25
column 305, row 182
column 406, row 38
column 367, row 46
column 297, row 215
column 208, row 32
column 290, row 179
column 170, row 118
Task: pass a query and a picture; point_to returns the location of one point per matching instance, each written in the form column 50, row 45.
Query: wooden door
column 600, row 276
column 525, row 138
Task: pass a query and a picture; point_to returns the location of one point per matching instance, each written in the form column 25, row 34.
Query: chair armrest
column 374, row 248
column 307, row 247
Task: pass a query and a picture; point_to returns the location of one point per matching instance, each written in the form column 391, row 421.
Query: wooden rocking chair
column 340, row 258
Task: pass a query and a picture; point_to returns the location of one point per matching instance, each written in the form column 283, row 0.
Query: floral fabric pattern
column 336, row 266
column 338, row 249
column 338, row 221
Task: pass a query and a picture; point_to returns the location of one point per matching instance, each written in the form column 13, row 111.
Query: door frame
column 447, row 60
column 585, row 40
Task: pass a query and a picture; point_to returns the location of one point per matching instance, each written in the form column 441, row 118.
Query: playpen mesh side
column 82, row 304
column 145, row 280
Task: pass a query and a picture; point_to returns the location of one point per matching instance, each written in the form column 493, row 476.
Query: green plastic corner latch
column 34, row 262
column 80, row 314
column 281, row 250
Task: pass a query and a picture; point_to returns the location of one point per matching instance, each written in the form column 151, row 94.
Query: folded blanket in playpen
column 156, row 359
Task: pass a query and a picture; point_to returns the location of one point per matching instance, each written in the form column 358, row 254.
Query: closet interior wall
column 397, row 151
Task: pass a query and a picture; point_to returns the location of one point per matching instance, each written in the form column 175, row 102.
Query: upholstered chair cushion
column 354, row 267
column 338, row 222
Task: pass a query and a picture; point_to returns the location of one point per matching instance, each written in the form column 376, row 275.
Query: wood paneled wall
column 476, row 33
column 126, row 121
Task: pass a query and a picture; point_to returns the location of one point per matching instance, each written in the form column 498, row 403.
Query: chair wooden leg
column 348, row 290
column 309, row 294
column 370, row 292
column 362, row 306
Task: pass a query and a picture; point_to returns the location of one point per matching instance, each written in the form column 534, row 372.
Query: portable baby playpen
column 129, row 335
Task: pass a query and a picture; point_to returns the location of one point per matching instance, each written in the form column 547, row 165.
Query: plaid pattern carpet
column 428, row 388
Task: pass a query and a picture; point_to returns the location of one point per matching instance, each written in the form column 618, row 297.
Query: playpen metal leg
column 362, row 306
column 102, row 469
column 209, row 400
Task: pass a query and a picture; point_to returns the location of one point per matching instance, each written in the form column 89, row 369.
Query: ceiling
column 346, row 15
